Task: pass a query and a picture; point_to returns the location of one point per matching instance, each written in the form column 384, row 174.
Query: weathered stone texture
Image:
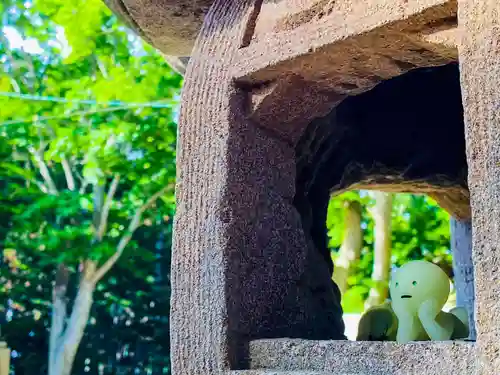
column 463, row 268
column 479, row 52
column 271, row 372
column 287, row 101
column 246, row 270
column 200, row 338
column 169, row 25
column 366, row 358
column 382, row 139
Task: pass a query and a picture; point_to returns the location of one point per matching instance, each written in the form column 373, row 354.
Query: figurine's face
column 416, row 282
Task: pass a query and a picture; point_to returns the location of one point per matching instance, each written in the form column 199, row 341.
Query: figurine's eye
column 414, row 283
column 397, row 284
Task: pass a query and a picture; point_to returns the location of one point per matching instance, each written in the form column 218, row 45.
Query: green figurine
column 419, row 291
column 378, row 323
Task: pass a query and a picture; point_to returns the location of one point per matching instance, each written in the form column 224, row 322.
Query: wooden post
column 463, row 268
column 4, row 358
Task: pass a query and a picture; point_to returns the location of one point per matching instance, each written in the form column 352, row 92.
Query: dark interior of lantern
column 406, row 134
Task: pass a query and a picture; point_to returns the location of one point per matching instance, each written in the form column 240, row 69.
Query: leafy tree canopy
column 86, row 108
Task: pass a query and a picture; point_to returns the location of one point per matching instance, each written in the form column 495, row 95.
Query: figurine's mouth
column 405, row 296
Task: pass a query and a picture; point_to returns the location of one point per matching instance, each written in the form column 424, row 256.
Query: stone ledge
column 367, row 358
column 397, row 33
column 271, row 372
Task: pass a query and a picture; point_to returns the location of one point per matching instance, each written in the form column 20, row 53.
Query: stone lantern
column 286, row 102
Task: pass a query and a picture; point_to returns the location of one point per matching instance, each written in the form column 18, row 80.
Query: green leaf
column 14, row 170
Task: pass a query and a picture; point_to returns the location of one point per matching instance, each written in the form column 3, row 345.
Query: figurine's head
column 415, row 282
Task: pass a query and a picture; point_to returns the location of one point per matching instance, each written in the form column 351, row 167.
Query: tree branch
column 101, row 67
column 103, row 222
column 83, row 181
column 134, row 224
column 83, row 187
column 45, row 173
column 68, row 174
column 44, row 170
column 98, row 195
column 42, row 187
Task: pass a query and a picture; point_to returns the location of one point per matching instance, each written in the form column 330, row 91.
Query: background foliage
column 78, row 91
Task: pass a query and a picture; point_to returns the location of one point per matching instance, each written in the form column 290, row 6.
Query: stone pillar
column 4, row 358
column 242, row 267
column 479, row 57
column 463, row 268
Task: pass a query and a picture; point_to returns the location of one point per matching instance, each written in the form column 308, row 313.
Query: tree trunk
column 63, row 354
column 382, row 249
column 59, row 311
column 463, row 268
column 65, row 336
column 351, row 245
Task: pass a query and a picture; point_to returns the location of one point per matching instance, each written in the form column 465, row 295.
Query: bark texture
column 67, row 331
column 352, row 244
column 381, row 212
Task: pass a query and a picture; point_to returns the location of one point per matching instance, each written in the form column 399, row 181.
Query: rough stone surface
column 277, row 105
column 364, row 358
column 169, row 25
column 479, row 52
column 270, row 372
column 385, row 37
column 389, row 138
column 241, row 264
column 463, row 268
column 282, row 103
column 173, row 25
column 200, row 333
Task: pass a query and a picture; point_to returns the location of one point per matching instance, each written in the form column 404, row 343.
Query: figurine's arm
column 408, row 329
column 408, row 325
column 428, row 313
